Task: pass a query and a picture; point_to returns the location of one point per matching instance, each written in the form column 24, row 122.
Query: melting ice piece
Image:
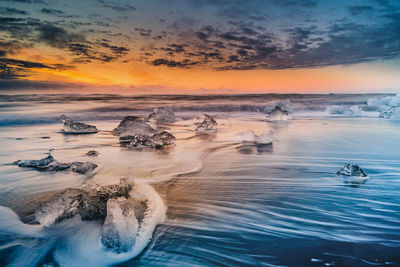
column 162, row 115
column 353, row 173
column 265, row 138
column 278, row 110
column 391, row 113
column 132, row 125
column 83, row 167
column 206, row 124
column 156, row 141
column 50, row 164
column 121, row 225
column 46, row 164
column 388, row 106
column 247, row 136
column 385, row 102
column 89, row 201
column 73, row 127
column 128, row 214
column 345, row 111
column 93, row 153
column 278, row 114
column 250, row 136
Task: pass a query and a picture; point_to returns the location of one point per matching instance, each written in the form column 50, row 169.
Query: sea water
column 217, row 201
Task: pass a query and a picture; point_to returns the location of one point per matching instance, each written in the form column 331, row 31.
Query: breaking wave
column 114, row 107
column 388, row 106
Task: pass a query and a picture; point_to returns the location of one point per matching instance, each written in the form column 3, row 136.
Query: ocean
column 217, row 201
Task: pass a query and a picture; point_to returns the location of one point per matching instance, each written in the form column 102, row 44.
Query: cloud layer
column 206, row 34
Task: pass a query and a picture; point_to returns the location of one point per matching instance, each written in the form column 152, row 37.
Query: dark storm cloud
column 18, row 28
column 125, row 7
column 248, row 45
column 53, row 12
column 23, row 63
column 97, row 51
column 12, row 11
column 8, row 73
column 216, row 34
column 79, row 49
column 78, row 45
column 57, row 36
column 202, row 35
column 9, row 48
column 143, row 32
column 116, row 6
column 174, row 48
column 35, row 31
column 14, row 69
column 117, row 50
column 173, row 63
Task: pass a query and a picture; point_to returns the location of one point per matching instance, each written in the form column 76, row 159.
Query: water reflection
column 252, row 148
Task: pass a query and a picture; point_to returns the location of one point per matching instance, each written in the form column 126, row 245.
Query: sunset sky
column 209, row 46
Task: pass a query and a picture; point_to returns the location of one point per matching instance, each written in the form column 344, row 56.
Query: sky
column 200, row 46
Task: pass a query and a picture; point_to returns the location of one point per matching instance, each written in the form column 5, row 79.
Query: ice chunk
column 50, row 164
column 206, row 123
column 278, row 110
column 247, row 136
column 352, row 170
column 278, row 114
column 83, row 167
column 93, row 153
column 156, row 141
column 46, row 164
column 63, row 207
column 250, row 136
column 265, row 138
column 395, row 101
column 283, row 105
column 391, row 113
column 133, row 125
column 353, row 174
column 89, row 201
column 162, row 115
column 345, row 110
column 73, row 127
column 121, row 225
column 387, row 105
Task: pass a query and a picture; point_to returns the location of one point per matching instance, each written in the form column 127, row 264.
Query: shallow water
column 228, row 203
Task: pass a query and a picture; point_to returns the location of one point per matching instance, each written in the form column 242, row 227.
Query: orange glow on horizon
column 140, row 74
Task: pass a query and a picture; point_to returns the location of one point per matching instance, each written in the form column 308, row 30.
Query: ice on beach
column 120, row 226
column 132, row 125
column 355, row 111
column 250, row 136
column 391, row 113
column 284, row 105
column 206, row 123
column 388, row 106
column 278, row 110
column 162, row 115
column 73, row 127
